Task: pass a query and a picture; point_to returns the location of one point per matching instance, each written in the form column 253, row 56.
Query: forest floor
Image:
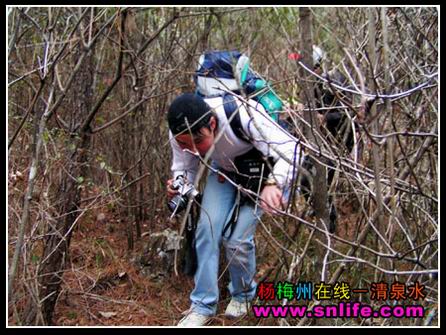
column 104, row 286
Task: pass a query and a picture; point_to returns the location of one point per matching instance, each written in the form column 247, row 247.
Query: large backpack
column 222, row 71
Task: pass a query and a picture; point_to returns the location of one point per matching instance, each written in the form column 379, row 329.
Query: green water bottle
column 261, row 89
column 268, row 98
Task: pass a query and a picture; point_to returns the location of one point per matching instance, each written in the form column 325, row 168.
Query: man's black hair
column 190, row 107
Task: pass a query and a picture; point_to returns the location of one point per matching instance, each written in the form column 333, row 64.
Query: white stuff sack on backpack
column 220, row 71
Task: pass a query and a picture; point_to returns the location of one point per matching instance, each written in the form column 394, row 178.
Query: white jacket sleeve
column 273, row 141
column 183, row 163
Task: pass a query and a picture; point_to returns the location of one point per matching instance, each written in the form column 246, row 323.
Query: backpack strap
column 231, row 107
column 234, row 216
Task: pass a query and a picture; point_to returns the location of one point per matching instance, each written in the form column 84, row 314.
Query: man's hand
column 170, row 191
column 272, row 199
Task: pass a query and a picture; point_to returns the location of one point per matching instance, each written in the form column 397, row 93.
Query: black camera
column 179, row 202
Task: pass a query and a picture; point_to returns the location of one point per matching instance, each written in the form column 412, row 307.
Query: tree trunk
column 58, row 236
column 373, row 113
column 307, row 96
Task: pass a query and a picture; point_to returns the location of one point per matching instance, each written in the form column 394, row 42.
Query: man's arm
column 273, row 141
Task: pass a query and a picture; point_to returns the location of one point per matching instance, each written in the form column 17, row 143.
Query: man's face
column 201, row 142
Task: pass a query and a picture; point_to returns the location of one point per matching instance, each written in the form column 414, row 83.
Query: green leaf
column 45, row 136
column 72, row 315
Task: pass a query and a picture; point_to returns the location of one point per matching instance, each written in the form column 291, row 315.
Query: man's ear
column 213, row 123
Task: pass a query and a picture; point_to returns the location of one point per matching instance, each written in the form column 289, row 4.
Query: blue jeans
column 216, row 209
